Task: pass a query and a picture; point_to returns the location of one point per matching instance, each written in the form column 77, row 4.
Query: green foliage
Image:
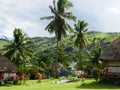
column 95, row 56
column 43, row 60
column 58, row 25
column 80, row 33
column 63, row 56
column 17, row 49
column 42, row 44
column 96, row 73
column 82, row 63
column 95, row 52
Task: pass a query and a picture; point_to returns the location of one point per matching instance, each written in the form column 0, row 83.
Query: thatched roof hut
column 7, row 66
column 111, row 55
column 112, row 52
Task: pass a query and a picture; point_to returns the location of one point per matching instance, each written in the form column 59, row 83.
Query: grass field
column 89, row 84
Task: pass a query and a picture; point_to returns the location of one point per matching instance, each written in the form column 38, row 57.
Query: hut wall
column 9, row 75
column 114, row 69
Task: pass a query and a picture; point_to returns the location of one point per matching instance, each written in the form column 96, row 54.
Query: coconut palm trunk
column 57, row 61
column 79, row 56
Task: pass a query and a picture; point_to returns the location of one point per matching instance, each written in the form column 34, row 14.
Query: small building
column 61, row 69
column 7, row 68
column 111, row 55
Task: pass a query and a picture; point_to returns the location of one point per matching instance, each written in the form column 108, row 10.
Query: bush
column 15, row 82
column 32, row 74
column 96, row 73
column 110, row 78
column 1, row 82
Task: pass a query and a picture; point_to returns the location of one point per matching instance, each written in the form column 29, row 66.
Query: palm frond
column 14, row 49
column 80, row 30
column 69, row 16
column 51, row 27
column 48, row 17
column 53, row 10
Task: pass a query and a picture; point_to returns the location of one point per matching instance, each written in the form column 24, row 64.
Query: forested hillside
column 48, row 44
column 44, row 44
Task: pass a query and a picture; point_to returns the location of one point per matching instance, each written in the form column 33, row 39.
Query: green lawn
column 50, row 85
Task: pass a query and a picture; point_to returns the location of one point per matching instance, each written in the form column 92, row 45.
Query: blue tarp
column 63, row 73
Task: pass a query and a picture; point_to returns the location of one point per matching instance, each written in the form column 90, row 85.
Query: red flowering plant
column 22, row 76
column 2, row 76
column 26, row 76
column 39, row 76
column 36, row 71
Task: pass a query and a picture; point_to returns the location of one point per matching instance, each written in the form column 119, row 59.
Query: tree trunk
column 80, row 60
column 57, row 61
column 24, row 69
column 79, row 54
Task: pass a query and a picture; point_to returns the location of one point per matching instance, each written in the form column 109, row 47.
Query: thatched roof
column 112, row 52
column 6, row 65
column 59, row 66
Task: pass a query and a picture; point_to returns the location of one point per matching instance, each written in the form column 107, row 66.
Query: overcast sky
column 102, row 15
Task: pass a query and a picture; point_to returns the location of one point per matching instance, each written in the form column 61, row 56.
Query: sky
column 101, row 15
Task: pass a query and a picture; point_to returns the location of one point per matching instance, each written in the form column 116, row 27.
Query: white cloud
column 114, row 10
column 102, row 15
column 24, row 14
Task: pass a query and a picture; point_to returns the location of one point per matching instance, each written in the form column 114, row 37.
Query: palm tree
column 58, row 24
column 80, row 32
column 95, row 52
column 17, row 50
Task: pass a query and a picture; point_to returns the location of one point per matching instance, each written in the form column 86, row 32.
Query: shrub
column 96, row 73
column 110, row 78
column 1, row 82
column 15, row 82
column 32, row 74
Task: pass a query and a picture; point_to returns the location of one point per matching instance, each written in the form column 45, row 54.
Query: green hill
column 45, row 44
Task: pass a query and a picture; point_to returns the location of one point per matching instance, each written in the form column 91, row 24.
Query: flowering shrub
column 36, row 71
column 39, row 76
column 21, row 76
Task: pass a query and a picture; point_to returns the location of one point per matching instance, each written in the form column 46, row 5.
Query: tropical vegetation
column 41, row 58
column 58, row 25
column 17, row 50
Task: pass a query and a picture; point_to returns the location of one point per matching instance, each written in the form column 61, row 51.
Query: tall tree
column 80, row 33
column 95, row 52
column 58, row 24
column 17, row 49
column 43, row 61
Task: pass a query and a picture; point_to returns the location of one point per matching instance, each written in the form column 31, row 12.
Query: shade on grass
column 89, row 84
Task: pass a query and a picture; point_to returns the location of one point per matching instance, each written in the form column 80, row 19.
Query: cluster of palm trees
column 60, row 27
